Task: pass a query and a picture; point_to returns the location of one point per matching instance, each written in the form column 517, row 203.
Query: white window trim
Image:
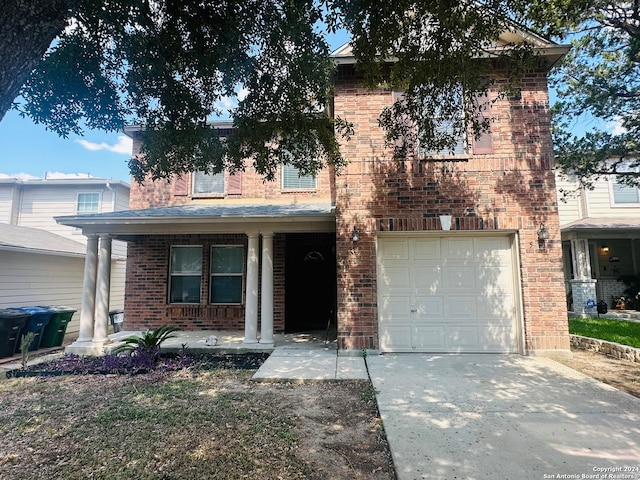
column 208, row 194
column 296, row 189
column 612, row 201
column 171, row 275
column 99, row 194
column 241, row 274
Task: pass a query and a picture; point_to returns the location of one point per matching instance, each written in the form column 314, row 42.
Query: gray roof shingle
column 35, row 240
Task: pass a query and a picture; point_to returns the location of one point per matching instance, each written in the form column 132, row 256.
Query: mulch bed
column 70, row 364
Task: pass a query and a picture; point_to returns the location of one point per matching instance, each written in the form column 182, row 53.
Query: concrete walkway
column 290, row 363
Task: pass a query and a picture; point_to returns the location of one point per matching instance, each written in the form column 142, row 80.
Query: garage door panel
column 430, row 338
column 494, row 338
column 396, row 278
column 495, row 280
column 459, row 307
column 458, row 248
column 427, row 278
column 463, row 338
column 426, row 249
column 394, row 249
column 493, row 247
column 395, row 308
column 396, row 338
column 428, row 308
column 459, row 277
column 447, row 294
column 498, row 307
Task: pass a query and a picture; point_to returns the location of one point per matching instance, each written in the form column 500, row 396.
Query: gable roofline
column 132, row 131
column 76, row 182
column 549, row 49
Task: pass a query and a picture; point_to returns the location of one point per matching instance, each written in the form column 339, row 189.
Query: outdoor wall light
column 355, row 235
column 605, row 248
column 543, row 235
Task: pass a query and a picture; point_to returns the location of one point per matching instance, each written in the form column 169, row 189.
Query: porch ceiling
column 623, row 227
column 209, row 218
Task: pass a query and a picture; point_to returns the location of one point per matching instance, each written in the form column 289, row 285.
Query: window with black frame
column 185, row 274
column 227, row 271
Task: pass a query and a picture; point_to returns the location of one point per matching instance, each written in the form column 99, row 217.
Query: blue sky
column 29, row 150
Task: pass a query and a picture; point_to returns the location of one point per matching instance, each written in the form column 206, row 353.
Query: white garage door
column 446, row 294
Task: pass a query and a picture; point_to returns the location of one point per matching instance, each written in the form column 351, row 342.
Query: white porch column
column 583, row 287
column 102, row 291
column 580, row 258
column 266, row 306
column 89, row 291
column 251, row 301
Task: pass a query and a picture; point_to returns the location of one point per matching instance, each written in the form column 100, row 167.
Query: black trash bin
column 116, row 318
column 53, row 334
column 601, row 307
column 38, row 319
column 11, row 324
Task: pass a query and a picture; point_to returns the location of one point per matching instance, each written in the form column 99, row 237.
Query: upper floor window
column 452, row 130
column 208, row 183
column 185, row 274
column 88, row 203
column 624, row 194
column 292, row 180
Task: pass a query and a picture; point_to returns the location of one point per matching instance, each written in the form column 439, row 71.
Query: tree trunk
column 27, row 28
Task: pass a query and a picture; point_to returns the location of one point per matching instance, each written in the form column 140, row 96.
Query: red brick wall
column 160, row 193
column 146, row 303
column 512, row 189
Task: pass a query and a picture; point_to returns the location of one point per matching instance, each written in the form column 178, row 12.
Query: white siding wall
column 596, row 203
column 6, row 202
column 118, row 271
column 569, row 208
column 30, row 280
column 601, row 203
column 41, row 204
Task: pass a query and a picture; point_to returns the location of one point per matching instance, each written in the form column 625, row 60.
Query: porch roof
column 207, row 218
column 604, row 225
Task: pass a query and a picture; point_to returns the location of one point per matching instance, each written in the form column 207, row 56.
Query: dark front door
column 310, row 281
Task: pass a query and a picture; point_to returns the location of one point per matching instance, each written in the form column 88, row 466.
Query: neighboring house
column 42, row 262
column 600, row 240
column 364, row 248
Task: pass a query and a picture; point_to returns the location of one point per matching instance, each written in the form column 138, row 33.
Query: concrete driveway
column 503, row 417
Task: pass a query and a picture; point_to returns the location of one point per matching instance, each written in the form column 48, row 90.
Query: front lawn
column 189, row 424
column 619, row 331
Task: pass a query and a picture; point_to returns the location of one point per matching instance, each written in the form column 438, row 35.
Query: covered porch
column 150, row 299
column 598, row 253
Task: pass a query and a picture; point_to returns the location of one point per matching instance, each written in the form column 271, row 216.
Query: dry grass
column 192, row 424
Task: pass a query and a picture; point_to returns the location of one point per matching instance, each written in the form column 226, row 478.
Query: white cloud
column 242, row 93
column 66, row 176
column 47, row 176
column 19, row 176
column 123, row 145
column 226, row 104
column 615, row 126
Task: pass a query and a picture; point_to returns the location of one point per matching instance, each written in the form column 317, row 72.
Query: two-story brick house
column 366, row 248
